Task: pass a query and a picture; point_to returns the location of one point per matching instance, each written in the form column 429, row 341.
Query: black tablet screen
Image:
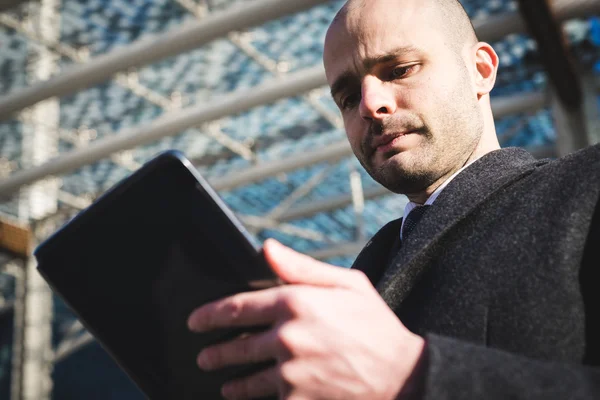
column 134, row 266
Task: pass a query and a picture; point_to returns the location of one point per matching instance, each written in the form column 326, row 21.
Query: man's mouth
column 387, row 143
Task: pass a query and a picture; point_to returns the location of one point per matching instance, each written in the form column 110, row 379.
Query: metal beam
column 341, row 250
column 358, row 203
column 519, row 104
column 129, row 81
column 6, row 5
column 262, row 223
column 329, row 204
column 15, row 237
column 169, row 124
column 330, row 153
column 152, row 49
column 556, row 57
column 40, row 142
column 298, row 193
column 494, row 28
column 71, row 345
column 591, row 106
column 6, row 306
column 569, row 9
column 570, row 125
column 577, row 128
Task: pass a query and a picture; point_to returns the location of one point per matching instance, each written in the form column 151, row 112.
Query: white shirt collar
column 411, row 206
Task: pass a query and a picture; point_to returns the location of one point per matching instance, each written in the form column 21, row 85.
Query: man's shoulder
column 587, row 155
column 571, row 182
column 583, row 164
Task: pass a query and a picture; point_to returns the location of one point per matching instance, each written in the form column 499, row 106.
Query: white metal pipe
column 330, row 153
column 341, row 250
column 329, row 204
column 152, row 49
column 167, row 125
column 494, row 28
column 520, row 104
column 298, row 193
column 40, row 142
column 69, row 346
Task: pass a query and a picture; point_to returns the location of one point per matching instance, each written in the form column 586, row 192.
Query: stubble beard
column 437, row 156
column 410, row 175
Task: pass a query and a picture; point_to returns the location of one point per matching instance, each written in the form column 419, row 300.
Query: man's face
column 405, row 91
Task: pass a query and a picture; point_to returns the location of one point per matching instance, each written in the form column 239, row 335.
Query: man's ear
column 486, row 68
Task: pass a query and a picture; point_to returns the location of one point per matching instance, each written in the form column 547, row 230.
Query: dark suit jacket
column 502, row 277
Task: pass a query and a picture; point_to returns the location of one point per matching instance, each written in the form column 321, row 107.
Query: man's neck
column 422, row 197
column 488, row 143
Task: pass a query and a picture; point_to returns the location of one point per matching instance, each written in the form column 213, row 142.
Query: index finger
column 240, row 310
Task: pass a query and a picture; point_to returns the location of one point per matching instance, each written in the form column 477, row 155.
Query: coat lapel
column 375, row 256
column 463, row 195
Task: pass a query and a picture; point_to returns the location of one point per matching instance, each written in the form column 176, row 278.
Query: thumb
column 294, row 267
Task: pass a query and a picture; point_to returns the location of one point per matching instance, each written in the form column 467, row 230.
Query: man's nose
column 378, row 101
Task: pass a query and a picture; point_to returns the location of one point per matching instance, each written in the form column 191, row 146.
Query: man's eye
column 400, row 72
column 350, row 101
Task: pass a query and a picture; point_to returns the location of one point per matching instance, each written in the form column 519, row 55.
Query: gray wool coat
column 502, row 278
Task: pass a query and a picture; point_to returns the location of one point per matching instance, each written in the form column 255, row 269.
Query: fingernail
column 227, row 392
column 193, row 326
column 203, row 361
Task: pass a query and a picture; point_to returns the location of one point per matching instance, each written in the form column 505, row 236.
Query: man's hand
column 332, row 335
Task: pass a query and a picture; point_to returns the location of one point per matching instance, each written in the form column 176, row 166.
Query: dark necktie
column 412, row 219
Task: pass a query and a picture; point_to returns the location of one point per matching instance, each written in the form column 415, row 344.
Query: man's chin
column 406, row 184
column 402, row 176
column 395, row 160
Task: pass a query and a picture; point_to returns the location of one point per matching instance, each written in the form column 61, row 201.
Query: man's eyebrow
column 370, row 62
column 348, row 77
column 341, row 82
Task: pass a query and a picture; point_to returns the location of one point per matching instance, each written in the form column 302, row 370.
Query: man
column 490, row 295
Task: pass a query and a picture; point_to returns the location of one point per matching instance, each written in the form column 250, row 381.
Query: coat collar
column 464, row 194
column 377, row 253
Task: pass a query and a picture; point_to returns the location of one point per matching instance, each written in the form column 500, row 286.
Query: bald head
column 455, row 22
column 450, row 15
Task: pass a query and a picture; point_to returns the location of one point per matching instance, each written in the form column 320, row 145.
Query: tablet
column 139, row 260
